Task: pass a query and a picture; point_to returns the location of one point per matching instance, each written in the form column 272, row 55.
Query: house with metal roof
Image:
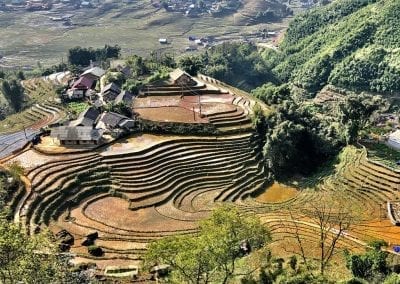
column 95, row 72
column 77, row 135
column 180, row 77
column 124, row 97
column 86, row 118
column 113, row 120
column 84, row 83
column 110, row 92
column 394, row 140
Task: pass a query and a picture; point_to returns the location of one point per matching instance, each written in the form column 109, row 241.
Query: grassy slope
column 320, row 44
column 38, row 91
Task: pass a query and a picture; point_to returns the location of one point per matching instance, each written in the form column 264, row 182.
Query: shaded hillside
column 350, row 43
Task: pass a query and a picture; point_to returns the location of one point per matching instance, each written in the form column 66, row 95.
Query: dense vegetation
column 240, row 65
column 351, row 44
column 83, row 56
column 12, row 93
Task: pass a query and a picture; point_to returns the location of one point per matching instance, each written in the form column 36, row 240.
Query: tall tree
column 212, row 254
column 355, row 112
column 25, row 259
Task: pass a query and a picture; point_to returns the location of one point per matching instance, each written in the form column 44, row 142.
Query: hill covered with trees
column 352, row 44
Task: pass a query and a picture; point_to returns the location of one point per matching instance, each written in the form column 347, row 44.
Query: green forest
column 351, row 44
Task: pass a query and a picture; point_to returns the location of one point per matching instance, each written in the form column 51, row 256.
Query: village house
column 125, row 98
column 95, row 72
column 180, row 77
column 75, row 94
column 110, row 92
column 80, row 87
column 86, row 82
column 86, row 118
column 77, row 135
column 113, row 121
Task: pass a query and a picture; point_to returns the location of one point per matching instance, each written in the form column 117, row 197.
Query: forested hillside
column 352, row 44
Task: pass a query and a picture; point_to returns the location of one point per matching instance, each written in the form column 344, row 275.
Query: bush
column 95, row 250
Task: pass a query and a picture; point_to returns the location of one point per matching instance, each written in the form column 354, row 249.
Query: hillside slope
column 350, row 43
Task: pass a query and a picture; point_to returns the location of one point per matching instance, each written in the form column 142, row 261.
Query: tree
column 191, row 64
column 20, row 75
column 355, row 112
column 114, row 77
column 14, row 93
column 82, row 56
column 371, row 266
column 30, row 259
column 332, row 216
column 213, row 253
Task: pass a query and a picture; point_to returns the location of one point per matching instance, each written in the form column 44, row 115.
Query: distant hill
column 353, row 44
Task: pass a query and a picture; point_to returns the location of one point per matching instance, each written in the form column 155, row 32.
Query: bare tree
column 332, row 215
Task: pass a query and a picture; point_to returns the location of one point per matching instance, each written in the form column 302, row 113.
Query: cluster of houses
column 37, row 5
column 188, row 8
column 30, row 5
column 84, row 88
column 90, row 127
column 92, row 124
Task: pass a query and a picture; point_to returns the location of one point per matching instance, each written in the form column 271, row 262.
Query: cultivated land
column 17, row 129
column 148, row 186
column 30, row 37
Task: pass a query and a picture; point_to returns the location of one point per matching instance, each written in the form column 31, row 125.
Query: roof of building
column 95, row 71
column 124, row 97
column 86, row 118
column 112, row 119
column 112, row 87
column 395, row 136
column 179, row 73
column 76, row 133
column 83, row 82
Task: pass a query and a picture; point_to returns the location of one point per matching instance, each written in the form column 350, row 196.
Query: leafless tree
column 332, row 215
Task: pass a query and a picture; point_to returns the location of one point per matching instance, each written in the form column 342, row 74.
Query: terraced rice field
column 17, row 130
column 145, row 187
column 207, row 102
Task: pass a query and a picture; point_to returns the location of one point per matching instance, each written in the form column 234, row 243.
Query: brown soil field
column 118, row 215
column 379, row 229
column 208, row 108
column 156, row 101
column 171, row 114
column 277, row 193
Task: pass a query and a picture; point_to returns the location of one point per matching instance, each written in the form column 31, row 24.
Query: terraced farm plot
column 141, row 195
column 205, row 100
column 170, row 114
column 147, row 186
column 18, row 129
column 28, row 38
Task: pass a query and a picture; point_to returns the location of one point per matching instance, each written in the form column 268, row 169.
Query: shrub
column 95, row 250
